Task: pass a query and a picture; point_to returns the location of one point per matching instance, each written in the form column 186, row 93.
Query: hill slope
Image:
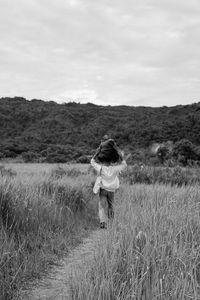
column 36, row 125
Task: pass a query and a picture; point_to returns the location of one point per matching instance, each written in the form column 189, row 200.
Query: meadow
column 45, row 210
column 150, row 251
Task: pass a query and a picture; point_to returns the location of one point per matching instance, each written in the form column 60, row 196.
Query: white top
column 109, row 174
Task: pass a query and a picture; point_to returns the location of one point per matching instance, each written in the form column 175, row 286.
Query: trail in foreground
column 56, row 286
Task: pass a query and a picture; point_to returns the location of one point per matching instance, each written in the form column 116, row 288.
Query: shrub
column 29, row 156
column 56, row 158
column 183, row 151
column 10, row 153
column 163, row 153
column 84, row 159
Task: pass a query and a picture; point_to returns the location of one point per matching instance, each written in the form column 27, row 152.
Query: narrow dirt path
column 55, row 286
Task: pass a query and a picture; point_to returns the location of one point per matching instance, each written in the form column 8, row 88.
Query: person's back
column 104, row 162
column 109, row 174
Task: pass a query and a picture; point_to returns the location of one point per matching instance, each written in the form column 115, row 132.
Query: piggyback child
column 108, row 162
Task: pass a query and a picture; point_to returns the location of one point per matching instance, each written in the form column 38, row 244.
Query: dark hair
column 109, row 152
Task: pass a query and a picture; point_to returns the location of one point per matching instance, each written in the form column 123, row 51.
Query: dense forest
column 37, row 130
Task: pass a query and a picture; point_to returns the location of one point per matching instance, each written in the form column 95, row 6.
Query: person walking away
column 106, row 184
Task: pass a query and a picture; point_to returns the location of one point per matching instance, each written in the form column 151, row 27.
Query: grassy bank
column 152, row 250
column 43, row 214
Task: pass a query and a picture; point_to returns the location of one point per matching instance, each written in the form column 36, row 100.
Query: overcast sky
column 144, row 52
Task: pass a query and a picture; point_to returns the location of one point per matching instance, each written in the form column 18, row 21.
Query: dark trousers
column 106, row 200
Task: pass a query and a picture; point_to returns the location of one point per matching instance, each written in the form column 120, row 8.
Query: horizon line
column 73, row 101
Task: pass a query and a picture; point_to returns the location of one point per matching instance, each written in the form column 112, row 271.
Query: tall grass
column 42, row 216
column 164, row 175
column 151, row 251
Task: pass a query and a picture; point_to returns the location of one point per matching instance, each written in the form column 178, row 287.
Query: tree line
column 43, row 131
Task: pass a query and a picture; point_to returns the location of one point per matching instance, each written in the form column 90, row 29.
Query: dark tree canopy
column 73, row 130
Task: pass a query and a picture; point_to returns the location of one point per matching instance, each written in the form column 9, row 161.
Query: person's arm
column 127, row 156
column 123, row 164
column 97, row 152
column 121, row 167
column 95, row 165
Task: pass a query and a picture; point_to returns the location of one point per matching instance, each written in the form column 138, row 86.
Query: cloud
column 134, row 52
column 82, row 95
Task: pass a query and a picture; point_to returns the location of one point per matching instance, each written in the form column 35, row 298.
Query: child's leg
column 110, row 199
column 103, row 206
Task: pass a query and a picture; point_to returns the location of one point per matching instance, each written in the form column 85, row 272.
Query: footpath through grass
column 42, row 216
column 152, row 250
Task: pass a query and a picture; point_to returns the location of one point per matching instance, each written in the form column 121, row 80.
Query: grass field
column 152, row 250
column 45, row 210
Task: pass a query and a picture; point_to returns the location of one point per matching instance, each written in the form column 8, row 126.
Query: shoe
column 103, row 225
